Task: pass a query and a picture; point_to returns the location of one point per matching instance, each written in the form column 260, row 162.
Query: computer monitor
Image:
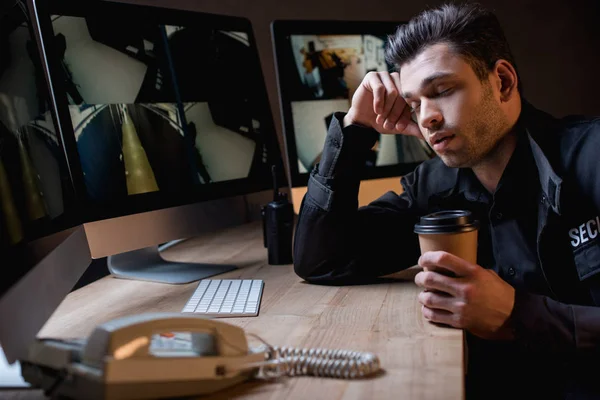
column 166, row 122
column 43, row 247
column 319, row 65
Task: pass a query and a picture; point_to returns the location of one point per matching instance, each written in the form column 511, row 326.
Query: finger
column 395, row 114
column 439, row 316
column 376, row 87
column 391, row 94
column 434, row 281
column 400, row 107
column 436, row 300
column 441, row 259
column 407, row 126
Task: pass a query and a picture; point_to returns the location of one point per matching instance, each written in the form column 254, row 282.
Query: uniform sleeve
column 335, row 241
column 545, row 325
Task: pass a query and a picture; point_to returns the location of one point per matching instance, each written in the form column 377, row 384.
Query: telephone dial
column 160, row 355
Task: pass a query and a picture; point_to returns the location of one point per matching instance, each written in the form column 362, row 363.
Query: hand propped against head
column 475, row 298
column 377, row 104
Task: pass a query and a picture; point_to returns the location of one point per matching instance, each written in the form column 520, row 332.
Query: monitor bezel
column 282, row 28
column 93, row 211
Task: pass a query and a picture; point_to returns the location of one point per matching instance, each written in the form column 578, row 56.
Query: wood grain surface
column 419, row 360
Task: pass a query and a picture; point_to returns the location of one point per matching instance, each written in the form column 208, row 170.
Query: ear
column 507, row 80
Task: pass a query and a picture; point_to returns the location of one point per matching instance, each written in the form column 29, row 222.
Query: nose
column 430, row 115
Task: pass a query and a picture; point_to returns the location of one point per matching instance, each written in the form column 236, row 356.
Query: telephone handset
column 127, row 358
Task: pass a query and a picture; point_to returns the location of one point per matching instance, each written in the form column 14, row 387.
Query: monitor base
column 148, row 265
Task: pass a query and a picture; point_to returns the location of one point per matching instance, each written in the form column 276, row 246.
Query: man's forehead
column 434, row 61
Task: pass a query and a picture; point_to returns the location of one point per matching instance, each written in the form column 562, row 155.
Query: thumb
column 406, row 126
column 411, row 129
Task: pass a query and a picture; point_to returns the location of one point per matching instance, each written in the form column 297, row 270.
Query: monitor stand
column 148, row 265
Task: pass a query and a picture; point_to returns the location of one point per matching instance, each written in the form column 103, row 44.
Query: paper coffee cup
column 453, row 231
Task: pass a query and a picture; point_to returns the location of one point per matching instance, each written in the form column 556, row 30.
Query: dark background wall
column 556, row 42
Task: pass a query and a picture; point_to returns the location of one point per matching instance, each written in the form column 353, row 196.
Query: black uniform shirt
column 334, row 245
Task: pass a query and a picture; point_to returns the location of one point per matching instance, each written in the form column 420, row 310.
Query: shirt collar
column 542, row 130
column 551, row 183
column 469, row 186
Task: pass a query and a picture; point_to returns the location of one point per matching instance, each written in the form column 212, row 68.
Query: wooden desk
column 421, row 361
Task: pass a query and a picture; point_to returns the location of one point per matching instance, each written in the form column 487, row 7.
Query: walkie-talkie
column 278, row 225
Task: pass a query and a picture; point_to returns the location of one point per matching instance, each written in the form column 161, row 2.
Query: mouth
column 441, row 140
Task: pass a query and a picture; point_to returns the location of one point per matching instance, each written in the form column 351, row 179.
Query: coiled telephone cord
column 346, row 364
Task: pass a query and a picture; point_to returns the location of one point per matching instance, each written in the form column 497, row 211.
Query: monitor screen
column 320, row 64
column 161, row 107
column 36, row 194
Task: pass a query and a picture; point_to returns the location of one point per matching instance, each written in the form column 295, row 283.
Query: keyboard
column 226, row 298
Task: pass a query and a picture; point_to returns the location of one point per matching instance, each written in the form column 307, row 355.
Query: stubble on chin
column 455, row 161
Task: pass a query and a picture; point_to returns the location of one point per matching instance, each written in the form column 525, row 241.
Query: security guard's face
column 460, row 117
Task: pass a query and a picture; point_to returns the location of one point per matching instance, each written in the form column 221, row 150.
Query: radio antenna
column 275, row 185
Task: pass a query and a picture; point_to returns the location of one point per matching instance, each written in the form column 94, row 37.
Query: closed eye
column 443, row 93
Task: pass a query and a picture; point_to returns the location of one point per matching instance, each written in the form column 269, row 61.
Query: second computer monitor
column 319, row 66
column 159, row 110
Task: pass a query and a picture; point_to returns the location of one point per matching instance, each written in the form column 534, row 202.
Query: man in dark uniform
column 530, row 304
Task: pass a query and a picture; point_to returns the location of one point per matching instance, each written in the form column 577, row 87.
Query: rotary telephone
column 160, row 355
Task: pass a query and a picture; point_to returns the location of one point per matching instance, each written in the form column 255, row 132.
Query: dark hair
column 471, row 31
